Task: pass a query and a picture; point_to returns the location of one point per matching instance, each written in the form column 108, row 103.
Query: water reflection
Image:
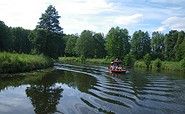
column 44, row 94
column 92, row 89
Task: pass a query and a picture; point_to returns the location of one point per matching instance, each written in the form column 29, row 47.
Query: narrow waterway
column 91, row 89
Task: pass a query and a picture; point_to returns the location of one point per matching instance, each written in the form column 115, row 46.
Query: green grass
column 13, row 63
column 78, row 59
column 165, row 65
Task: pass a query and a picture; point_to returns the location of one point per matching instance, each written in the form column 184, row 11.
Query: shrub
column 156, row 64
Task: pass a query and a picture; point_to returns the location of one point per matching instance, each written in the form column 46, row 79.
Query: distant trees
column 85, row 44
column 157, row 45
column 117, row 42
column 21, row 42
column 99, row 43
column 140, row 44
column 70, row 45
column 48, row 39
column 5, row 37
column 174, row 45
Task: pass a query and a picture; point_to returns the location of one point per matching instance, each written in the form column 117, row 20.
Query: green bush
column 156, row 64
column 140, row 63
column 147, row 60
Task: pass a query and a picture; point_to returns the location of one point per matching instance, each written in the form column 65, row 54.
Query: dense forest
column 48, row 39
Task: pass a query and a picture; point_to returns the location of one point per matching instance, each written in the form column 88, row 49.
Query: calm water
column 90, row 89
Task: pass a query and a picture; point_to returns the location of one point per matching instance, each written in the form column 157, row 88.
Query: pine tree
column 50, row 20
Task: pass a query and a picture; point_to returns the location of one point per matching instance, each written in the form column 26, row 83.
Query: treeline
column 48, row 39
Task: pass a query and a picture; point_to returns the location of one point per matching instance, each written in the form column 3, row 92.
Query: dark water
column 90, row 89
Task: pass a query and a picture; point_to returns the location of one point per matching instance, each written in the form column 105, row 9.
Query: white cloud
column 126, row 20
column 173, row 23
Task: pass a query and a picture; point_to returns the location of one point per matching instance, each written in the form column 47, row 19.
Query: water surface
column 72, row 89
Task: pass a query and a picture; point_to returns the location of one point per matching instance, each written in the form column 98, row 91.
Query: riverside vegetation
column 13, row 63
column 139, row 50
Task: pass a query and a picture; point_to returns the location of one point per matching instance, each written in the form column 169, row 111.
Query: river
column 91, row 89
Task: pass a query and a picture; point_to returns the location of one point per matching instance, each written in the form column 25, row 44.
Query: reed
column 88, row 60
column 165, row 65
column 13, row 62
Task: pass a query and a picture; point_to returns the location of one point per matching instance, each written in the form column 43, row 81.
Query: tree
column 21, row 41
column 169, row 43
column 48, row 43
column 147, row 59
column 99, row 41
column 157, row 45
column 70, row 45
column 140, row 44
column 117, row 42
column 5, row 37
column 178, row 48
column 49, row 36
column 49, row 20
column 85, row 44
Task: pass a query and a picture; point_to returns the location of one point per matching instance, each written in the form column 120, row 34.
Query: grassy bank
column 164, row 65
column 13, row 63
column 78, row 59
column 155, row 64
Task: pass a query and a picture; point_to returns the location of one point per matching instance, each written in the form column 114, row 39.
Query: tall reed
column 13, row 62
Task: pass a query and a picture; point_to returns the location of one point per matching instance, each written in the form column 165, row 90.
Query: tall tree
column 85, row 44
column 117, row 42
column 70, row 45
column 99, row 41
column 21, row 41
column 50, row 20
column 140, row 44
column 6, row 37
column 49, row 36
column 157, row 44
column 178, row 49
column 169, row 43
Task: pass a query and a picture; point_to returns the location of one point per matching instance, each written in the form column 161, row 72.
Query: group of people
column 116, row 65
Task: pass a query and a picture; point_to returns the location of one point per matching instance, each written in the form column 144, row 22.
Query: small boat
column 116, row 67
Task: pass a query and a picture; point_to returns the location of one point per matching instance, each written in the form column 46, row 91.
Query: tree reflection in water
column 44, row 95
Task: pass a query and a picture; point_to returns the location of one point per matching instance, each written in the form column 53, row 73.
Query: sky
column 98, row 15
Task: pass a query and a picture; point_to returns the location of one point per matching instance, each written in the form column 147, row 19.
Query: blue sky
column 98, row 15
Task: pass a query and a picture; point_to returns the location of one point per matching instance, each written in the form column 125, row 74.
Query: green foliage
column 70, row 45
column 6, row 38
column 99, row 43
column 156, row 64
column 157, row 44
column 117, row 42
column 50, row 20
column 48, row 43
column 140, row 64
column 129, row 60
column 85, row 44
column 140, row 44
column 87, row 60
column 10, row 63
column 147, row 60
column 21, row 43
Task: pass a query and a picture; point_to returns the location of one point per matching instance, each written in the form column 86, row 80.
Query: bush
column 129, row 60
column 147, row 59
column 140, row 64
column 156, row 64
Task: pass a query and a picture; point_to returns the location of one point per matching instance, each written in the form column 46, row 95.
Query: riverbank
column 164, row 65
column 14, row 63
column 155, row 64
column 78, row 59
